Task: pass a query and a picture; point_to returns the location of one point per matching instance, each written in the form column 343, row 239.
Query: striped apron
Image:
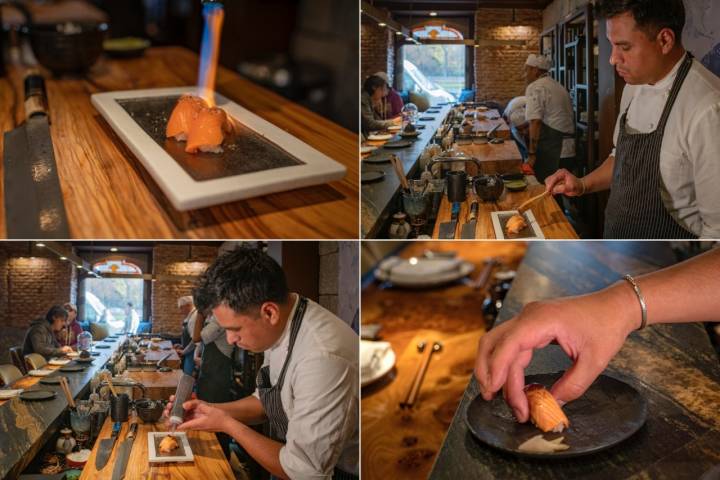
column 635, row 208
column 270, row 394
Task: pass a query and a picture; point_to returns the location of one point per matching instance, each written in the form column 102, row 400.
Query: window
column 437, row 32
column 435, row 71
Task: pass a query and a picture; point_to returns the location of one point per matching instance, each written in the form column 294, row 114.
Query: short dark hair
column 55, row 312
column 372, row 83
column 241, row 279
column 651, row 16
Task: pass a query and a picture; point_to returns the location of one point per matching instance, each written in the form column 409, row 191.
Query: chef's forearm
column 600, row 178
column 262, row 449
column 535, row 126
column 248, row 410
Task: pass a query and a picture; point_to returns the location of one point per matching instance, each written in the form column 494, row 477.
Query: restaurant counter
column 673, row 366
column 380, row 199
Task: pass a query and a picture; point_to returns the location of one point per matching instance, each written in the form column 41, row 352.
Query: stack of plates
column 59, row 362
column 40, row 373
column 422, row 272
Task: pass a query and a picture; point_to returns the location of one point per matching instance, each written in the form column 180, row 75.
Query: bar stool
column 9, row 374
column 35, row 361
column 17, row 359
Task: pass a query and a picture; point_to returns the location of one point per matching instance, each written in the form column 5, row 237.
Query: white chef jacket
column 515, row 111
column 319, row 395
column 548, row 101
column 690, row 151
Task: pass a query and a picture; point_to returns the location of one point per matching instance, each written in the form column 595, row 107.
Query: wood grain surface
column 673, row 366
column 209, row 461
column 550, row 218
column 158, row 385
column 495, row 158
column 403, row 444
column 108, row 194
column 173, row 361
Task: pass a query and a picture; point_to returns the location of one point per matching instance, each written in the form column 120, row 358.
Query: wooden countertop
column 209, row 460
column 402, row 444
column 158, row 385
column 25, row 426
column 173, row 361
column 108, row 194
column 549, row 217
column 673, row 366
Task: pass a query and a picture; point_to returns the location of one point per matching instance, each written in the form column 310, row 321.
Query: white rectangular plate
column 500, row 232
column 180, row 436
column 186, row 193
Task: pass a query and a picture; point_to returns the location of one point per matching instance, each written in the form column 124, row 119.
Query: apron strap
column 675, row 90
column 294, row 329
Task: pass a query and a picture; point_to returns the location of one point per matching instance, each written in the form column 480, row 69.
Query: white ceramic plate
column 5, row 394
column 386, row 272
column 368, row 149
column 186, row 193
column 73, row 354
column 58, row 361
column 181, row 438
column 40, row 373
column 381, row 358
column 380, row 136
column 394, row 128
column 536, row 231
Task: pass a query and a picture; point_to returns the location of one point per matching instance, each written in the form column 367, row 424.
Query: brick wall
column 30, row 286
column 171, row 259
column 377, row 49
column 499, row 70
column 339, row 277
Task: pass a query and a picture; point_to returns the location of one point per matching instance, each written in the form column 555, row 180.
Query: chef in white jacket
column 664, row 172
column 549, row 112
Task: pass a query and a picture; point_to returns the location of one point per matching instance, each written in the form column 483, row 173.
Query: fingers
column 578, row 378
column 193, row 424
column 554, row 183
column 481, row 363
column 513, row 390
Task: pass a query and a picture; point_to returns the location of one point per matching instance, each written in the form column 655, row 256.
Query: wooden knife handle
column 35, row 96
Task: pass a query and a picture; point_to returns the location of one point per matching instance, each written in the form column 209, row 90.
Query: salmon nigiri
column 545, row 412
column 207, row 131
column 183, row 116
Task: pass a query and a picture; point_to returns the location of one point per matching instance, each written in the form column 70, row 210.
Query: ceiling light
column 113, row 249
column 433, row 14
column 398, row 32
column 39, row 244
column 63, row 258
column 382, row 24
column 79, row 267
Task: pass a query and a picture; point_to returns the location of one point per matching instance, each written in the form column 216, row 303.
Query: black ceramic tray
column 72, row 368
column 608, row 413
column 37, row 395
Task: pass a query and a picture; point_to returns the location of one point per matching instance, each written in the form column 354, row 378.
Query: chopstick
column 523, row 206
column 397, row 165
column 66, row 390
column 110, row 384
column 419, row 377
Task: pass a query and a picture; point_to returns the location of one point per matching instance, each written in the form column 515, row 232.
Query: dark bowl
column 489, row 187
column 70, row 47
column 149, row 410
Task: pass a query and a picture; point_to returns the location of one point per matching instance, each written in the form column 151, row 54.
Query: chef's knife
column 447, row 229
column 106, row 447
column 468, row 229
column 34, row 205
column 124, row 453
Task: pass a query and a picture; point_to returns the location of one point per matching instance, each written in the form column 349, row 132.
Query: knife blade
column 447, row 229
column 106, row 447
column 468, row 229
column 34, row 205
column 124, row 453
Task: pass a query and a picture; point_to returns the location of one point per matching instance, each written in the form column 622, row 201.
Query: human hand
column 200, row 415
column 66, row 349
column 565, row 183
column 168, row 407
column 590, row 329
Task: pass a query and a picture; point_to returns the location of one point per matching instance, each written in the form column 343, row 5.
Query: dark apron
column 547, row 155
column 270, row 394
column 635, row 208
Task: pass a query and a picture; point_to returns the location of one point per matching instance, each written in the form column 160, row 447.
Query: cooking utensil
column 149, row 410
column 524, row 206
column 484, row 276
column 106, row 447
column 608, row 412
column 124, row 452
column 468, row 230
column 398, row 167
column 417, row 382
column 34, row 205
column 447, row 229
column 119, row 407
column 488, row 187
column 182, row 394
column 66, row 390
column 457, row 185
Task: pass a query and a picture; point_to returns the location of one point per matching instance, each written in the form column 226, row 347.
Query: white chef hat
column 382, row 75
column 539, row 61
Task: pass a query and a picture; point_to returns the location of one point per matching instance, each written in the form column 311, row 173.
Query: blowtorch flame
column 213, row 14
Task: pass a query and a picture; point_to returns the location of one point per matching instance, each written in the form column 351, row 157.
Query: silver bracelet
column 641, row 299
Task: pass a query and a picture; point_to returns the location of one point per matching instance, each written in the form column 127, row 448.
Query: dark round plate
column 371, row 176
column 377, row 158
column 398, row 144
column 50, row 380
column 94, row 354
column 516, row 185
column 84, row 360
column 37, row 395
column 608, row 413
column 102, row 346
column 109, row 340
column 72, row 368
column 426, row 119
column 420, row 127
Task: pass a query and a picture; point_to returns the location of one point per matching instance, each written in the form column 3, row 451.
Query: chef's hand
column 590, row 329
column 168, row 407
column 201, row 415
column 565, row 183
